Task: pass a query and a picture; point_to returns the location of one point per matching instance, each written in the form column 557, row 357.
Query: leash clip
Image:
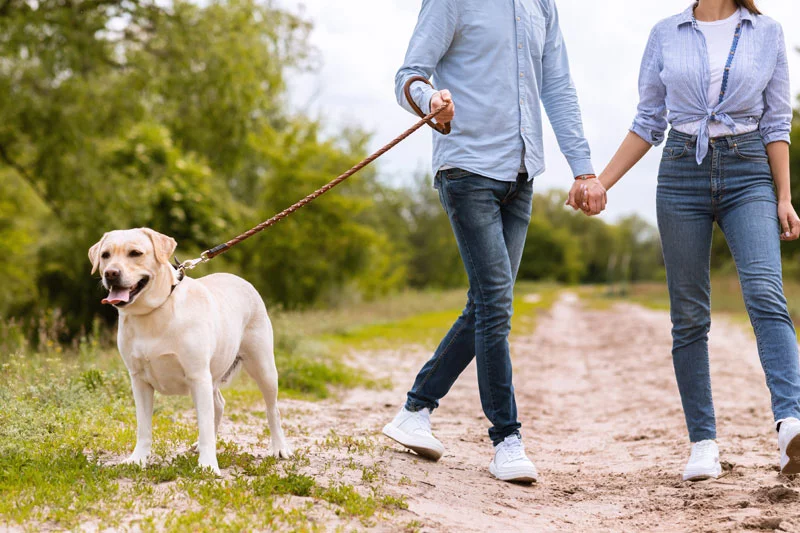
column 191, row 263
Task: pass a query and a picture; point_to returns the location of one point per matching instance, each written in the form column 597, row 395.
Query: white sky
column 362, row 44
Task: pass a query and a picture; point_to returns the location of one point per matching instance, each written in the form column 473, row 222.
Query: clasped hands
column 588, row 195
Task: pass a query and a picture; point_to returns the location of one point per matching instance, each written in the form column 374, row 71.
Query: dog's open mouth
column 122, row 296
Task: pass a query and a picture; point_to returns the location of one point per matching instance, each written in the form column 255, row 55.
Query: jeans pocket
column 750, row 151
column 455, row 173
column 674, row 151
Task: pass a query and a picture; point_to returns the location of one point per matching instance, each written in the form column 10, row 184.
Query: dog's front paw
column 209, row 464
column 137, row 459
column 281, row 450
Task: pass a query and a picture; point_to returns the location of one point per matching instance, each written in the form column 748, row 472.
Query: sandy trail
column 601, row 419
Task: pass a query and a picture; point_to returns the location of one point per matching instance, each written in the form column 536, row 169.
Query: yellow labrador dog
column 185, row 336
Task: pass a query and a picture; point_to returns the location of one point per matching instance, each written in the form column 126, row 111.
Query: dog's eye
column 105, row 255
column 134, row 253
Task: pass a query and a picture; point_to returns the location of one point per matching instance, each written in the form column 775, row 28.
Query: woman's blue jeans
column 733, row 186
column 490, row 221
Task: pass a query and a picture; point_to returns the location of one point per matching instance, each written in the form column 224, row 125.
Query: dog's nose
column 111, row 274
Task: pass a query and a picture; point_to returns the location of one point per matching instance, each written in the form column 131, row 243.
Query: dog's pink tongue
column 117, row 295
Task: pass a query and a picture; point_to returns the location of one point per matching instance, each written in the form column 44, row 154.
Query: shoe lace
column 423, row 417
column 703, row 448
column 514, row 448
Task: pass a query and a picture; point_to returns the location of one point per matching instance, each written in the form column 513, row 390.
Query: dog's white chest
column 163, row 372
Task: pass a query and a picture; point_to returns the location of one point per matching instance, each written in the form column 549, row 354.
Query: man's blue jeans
column 734, row 187
column 490, row 220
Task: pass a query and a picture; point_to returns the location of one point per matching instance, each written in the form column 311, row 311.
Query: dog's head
column 134, row 267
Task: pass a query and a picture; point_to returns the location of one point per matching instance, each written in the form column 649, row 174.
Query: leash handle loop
column 441, row 127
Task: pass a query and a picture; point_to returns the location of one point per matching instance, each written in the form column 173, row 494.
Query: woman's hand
column 790, row 222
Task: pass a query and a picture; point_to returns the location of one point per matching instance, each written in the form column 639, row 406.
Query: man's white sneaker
column 704, row 462
column 510, row 462
column 789, row 442
column 412, row 429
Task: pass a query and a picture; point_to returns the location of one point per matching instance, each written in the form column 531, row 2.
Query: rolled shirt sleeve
column 560, row 98
column 432, row 36
column 776, row 122
column 651, row 118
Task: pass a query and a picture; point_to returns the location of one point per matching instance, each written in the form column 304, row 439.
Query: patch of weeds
column 291, row 483
column 351, row 502
column 348, row 442
column 414, row 526
column 371, row 474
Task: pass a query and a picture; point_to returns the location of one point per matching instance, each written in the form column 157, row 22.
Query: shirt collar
column 687, row 17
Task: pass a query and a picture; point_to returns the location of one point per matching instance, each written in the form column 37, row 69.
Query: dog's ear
column 163, row 245
column 94, row 253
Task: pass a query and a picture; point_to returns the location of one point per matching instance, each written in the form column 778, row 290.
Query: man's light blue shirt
column 674, row 78
column 500, row 61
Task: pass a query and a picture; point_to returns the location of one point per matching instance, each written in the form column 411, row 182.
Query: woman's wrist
column 605, row 181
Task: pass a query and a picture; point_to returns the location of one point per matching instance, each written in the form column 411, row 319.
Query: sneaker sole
column 701, row 476
column 793, row 452
column 403, row 439
column 514, row 477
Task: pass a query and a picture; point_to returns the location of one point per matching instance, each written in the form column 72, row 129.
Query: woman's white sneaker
column 412, row 429
column 704, row 462
column 510, row 462
column 789, row 443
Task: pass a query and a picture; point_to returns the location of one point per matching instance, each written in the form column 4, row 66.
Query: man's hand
column 790, row 223
column 440, row 98
column 575, row 198
column 588, row 196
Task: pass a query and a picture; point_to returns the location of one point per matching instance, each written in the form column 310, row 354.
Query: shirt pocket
column 537, row 33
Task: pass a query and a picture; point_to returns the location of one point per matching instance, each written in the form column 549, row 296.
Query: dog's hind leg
column 258, row 357
column 219, row 408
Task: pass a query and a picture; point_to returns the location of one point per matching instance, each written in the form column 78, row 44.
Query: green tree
column 125, row 113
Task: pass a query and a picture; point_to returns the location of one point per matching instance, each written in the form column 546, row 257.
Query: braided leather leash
column 222, row 248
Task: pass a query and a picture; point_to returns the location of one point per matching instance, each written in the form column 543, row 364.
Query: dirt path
column 601, row 419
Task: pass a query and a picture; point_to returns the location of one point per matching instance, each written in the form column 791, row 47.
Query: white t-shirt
column 719, row 38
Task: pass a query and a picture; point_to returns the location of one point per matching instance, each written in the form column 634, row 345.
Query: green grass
column 67, row 412
column 726, row 297
column 62, row 421
column 428, row 327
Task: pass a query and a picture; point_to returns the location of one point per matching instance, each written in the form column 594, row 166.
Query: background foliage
column 126, row 113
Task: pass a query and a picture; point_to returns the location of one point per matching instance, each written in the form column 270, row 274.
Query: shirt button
column 521, row 101
column 519, row 46
column 523, row 130
column 521, row 75
column 518, row 19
